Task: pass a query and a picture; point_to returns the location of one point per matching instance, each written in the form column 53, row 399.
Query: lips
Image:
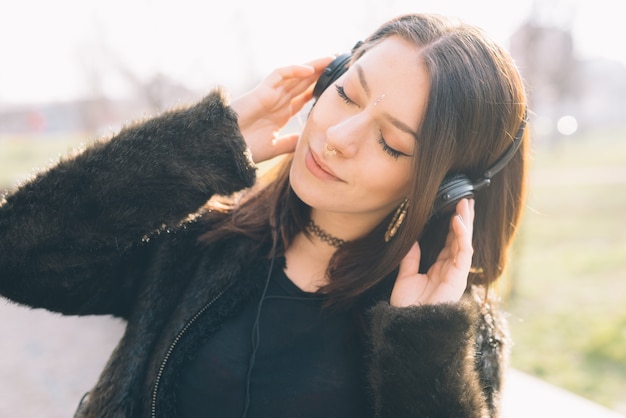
column 317, row 167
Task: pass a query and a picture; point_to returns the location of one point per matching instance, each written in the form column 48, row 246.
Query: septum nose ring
column 328, row 151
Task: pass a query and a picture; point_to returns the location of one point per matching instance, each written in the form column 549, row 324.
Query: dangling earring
column 397, row 220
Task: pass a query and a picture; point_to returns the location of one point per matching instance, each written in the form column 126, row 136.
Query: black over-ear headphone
column 335, row 69
column 454, row 187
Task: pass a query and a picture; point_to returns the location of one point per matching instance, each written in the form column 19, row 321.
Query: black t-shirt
column 309, row 362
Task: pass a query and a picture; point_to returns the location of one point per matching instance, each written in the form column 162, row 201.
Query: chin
column 308, row 191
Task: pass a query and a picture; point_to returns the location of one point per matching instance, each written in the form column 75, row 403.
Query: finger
column 465, row 208
column 409, row 286
column 457, row 230
column 286, row 76
column 298, row 102
column 465, row 213
column 306, row 73
column 448, row 291
column 411, row 262
column 285, row 144
column 462, row 226
column 296, row 71
column 321, row 63
column 298, row 89
column 301, row 71
column 294, row 87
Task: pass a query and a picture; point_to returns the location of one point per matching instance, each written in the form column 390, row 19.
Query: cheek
column 385, row 182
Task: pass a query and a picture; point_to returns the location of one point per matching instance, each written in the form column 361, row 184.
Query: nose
column 347, row 135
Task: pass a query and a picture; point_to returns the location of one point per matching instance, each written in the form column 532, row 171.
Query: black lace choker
column 323, row 235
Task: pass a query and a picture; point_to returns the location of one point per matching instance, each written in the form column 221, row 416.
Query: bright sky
column 50, row 50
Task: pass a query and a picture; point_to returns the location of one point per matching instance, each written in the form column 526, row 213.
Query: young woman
column 345, row 283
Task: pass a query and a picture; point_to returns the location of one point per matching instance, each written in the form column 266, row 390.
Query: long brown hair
column 476, row 105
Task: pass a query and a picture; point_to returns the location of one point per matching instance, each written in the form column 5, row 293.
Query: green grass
column 23, row 156
column 567, row 275
column 568, row 270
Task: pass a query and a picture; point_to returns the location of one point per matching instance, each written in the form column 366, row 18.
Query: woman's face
column 369, row 117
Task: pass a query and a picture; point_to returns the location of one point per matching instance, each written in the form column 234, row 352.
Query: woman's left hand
column 446, row 279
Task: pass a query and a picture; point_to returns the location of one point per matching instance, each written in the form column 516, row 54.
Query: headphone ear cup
column 331, row 73
column 452, row 190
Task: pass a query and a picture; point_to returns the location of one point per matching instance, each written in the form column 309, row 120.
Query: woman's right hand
column 267, row 108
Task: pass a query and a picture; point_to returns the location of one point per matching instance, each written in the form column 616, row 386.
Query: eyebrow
column 362, row 79
column 395, row 122
column 401, row 125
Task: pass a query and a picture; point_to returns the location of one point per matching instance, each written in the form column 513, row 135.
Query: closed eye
column 391, row 151
column 342, row 93
column 395, row 154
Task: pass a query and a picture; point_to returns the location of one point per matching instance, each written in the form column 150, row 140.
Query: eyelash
column 395, row 154
column 342, row 93
column 392, row 152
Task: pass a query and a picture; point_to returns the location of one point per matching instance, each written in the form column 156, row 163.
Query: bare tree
column 543, row 48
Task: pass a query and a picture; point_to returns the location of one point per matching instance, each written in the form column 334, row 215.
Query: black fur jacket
column 108, row 232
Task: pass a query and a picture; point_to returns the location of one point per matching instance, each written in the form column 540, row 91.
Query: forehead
column 394, row 67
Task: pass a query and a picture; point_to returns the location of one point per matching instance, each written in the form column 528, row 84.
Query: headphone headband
column 333, row 71
column 510, row 152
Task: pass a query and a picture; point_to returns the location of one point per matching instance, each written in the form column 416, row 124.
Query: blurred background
column 75, row 70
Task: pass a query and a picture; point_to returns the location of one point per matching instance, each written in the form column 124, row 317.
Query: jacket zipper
column 180, row 334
